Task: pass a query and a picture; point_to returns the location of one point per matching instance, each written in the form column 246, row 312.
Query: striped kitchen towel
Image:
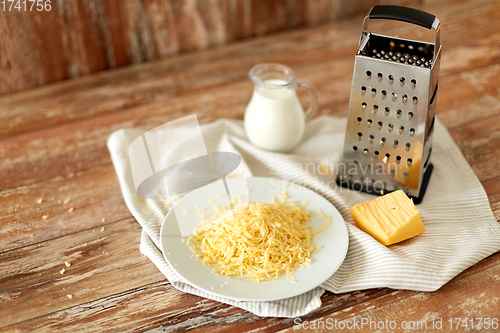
column 460, row 226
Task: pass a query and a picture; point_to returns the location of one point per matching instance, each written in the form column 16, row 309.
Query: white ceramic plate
column 325, row 261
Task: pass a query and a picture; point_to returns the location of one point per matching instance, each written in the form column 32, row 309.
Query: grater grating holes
column 375, row 108
column 360, row 136
column 399, row 113
column 374, row 92
column 412, row 132
column 384, row 94
column 390, row 127
column 363, row 90
column 380, row 125
column 404, row 98
column 359, row 120
column 415, row 100
column 369, row 122
column 391, row 79
column 368, row 74
column 410, row 116
column 387, row 111
column 364, row 105
column 355, row 149
column 394, row 96
column 398, row 159
column 382, row 142
column 396, row 143
column 413, row 83
column 376, row 153
column 408, row 146
column 401, row 130
column 371, row 138
column 409, row 162
column 402, row 81
column 379, row 77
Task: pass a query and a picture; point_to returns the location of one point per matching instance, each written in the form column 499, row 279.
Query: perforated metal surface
column 391, row 113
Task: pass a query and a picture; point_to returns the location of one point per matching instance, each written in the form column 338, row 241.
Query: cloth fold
column 461, row 228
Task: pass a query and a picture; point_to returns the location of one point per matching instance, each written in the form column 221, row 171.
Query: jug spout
column 272, row 76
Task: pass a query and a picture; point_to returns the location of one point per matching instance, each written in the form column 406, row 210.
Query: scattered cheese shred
column 325, row 170
column 234, row 175
column 328, row 220
column 69, row 296
column 139, row 198
column 70, row 210
column 62, row 271
column 186, row 213
column 283, row 196
column 39, row 201
column 354, row 270
column 66, row 201
column 67, row 264
column 45, row 216
column 257, row 240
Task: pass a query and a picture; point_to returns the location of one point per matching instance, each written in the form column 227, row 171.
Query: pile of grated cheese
column 256, row 240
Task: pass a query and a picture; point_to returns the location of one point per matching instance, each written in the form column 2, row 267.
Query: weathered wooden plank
column 492, row 188
column 56, row 150
column 118, row 90
column 160, row 305
column 468, row 296
column 20, row 215
column 479, row 143
column 104, row 262
column 75, row 38
column 73, row 202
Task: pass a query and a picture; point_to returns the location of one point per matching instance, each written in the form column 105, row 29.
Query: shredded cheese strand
column 257, row 240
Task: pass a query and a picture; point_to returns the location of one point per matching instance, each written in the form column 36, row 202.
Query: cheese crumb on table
column 102, row 229
column 69, row 296
column 45, row 216
column 67, row 264
column 39, row 201
column 62, row 271
column 67, row 200
column 70, row 210
column 103, row 219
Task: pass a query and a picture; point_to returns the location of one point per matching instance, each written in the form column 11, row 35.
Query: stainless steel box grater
column 388, row 139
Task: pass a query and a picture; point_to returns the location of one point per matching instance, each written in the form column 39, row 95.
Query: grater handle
column 406, row 14
column 313, row 104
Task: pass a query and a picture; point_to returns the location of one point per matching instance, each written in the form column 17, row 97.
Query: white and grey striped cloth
column 461, row 228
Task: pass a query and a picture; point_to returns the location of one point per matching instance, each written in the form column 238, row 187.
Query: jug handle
column 313, row 105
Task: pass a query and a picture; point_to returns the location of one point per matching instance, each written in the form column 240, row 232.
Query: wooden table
column 53, row 148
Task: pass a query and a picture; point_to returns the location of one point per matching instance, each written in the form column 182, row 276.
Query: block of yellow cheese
column 390, row 219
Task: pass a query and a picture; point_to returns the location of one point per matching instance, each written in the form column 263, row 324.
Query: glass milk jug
column 274, row 118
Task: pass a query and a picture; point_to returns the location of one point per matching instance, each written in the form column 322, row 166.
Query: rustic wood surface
column 79, row 37
column 53, row 146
